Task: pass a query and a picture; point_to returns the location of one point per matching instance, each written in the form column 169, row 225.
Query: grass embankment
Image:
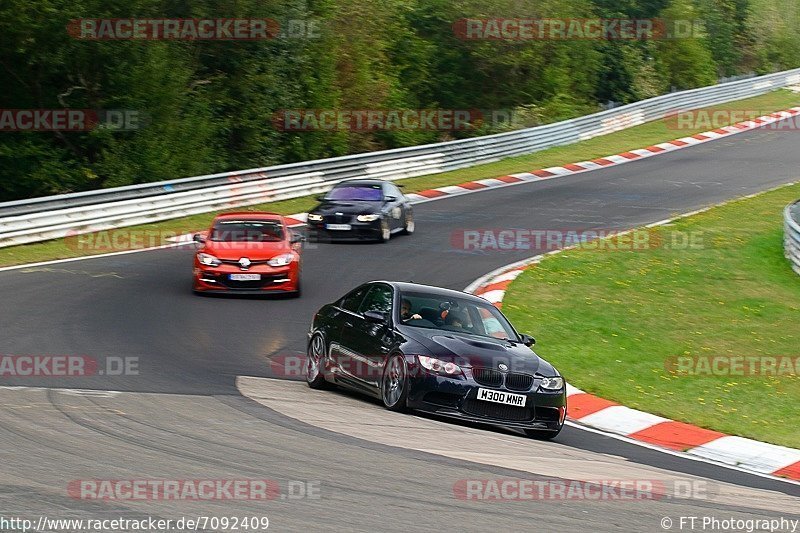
column 632, row 138
column 614, row 322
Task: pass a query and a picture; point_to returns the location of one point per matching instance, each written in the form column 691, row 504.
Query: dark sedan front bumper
column 359, row 231
column 458, row 398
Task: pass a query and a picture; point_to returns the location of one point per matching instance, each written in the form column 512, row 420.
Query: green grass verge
column 636, row 137
column 609, row 320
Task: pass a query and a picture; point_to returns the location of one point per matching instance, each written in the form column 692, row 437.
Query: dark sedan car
column 435, row 350
column 361, row 210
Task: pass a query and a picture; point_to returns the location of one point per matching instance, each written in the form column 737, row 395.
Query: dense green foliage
column 209, row 104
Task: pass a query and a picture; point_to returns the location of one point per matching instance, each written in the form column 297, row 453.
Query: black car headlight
column 552, row 384
column 367, row 218
column 312, row 217
column 439, row 366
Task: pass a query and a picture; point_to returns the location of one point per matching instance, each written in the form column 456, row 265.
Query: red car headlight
column 281, row 260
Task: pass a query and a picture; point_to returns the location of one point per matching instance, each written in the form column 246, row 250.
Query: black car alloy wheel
column 408, row 227
column 315, row 363
column 394, row 385
column 386, row 231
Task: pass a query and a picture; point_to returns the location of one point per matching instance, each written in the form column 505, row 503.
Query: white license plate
column 245, row 277
column 338, row 227
column 506, row 398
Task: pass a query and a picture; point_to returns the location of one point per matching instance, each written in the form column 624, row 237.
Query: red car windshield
column 247, row 231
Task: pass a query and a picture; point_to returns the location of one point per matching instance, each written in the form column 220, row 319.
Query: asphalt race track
column 183, row 416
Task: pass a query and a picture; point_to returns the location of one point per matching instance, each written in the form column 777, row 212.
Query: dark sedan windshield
column 247, row 231
column 369, row 193
column 433, row 311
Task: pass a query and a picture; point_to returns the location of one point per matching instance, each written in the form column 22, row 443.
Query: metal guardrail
column 791, row 239
column 51, row 217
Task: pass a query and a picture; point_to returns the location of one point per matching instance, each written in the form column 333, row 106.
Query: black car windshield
column 368, row 193
column 425, row 310
column 247, row 231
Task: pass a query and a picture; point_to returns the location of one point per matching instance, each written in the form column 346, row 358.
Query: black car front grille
column 496, row 411
column 550, row 414
column 442, row 398
column 490, row 377
column 519, row 382
column 487, row 376
column 338, row 219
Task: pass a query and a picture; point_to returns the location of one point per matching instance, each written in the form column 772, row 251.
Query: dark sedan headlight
column 552, row 384
column 439, row 366
column 312, row 217
column 368, row 218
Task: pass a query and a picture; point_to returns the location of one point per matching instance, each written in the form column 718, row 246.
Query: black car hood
column 473, row 351
column 349, row 207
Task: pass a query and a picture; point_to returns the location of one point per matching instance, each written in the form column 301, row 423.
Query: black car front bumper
column 457, row 398
column 359, row 231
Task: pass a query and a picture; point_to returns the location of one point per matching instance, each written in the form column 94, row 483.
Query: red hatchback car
column 248, row 253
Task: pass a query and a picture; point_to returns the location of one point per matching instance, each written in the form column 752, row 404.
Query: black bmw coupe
column 435, row 350
column 358, row 210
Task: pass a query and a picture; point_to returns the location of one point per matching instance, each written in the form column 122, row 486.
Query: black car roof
column 361, row 181
column 438, row 291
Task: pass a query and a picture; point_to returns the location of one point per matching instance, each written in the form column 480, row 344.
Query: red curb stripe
column 654, row 149
column 498, row 305
column 431, row 193
column 293, row 221
column 499, row 286
column 678, row 142
column 542, row 173
column 473, row 185
column 701, row 137
column 676, row 435
column 721, row 131
column 791, row 471
column 602, row 161
column 582, row 404
column 630, row 155
column 509, row 179
column 573, row 167
column 742, row 126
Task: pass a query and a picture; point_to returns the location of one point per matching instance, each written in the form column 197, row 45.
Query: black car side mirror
column 199, row 238
column 527, row 340
column 296, row 237
column 375, row 316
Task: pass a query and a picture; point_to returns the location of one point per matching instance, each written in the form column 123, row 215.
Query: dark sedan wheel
column 408, row 227
column 394, row 385
column 541, row 434
column 315, row 363
column 386, row 231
